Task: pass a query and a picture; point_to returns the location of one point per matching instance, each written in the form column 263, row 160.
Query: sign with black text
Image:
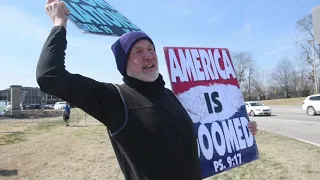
column 98, row 17
column 204, row 80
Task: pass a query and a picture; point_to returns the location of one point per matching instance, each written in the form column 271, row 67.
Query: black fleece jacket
column 103, row 102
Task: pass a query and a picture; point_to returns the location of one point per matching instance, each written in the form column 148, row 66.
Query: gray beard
column 150, row 77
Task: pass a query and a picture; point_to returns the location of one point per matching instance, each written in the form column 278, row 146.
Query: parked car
column 9, row 107
column 33, row 106
column 3, row 106
column 311, row 105
column 48, row 106
column 60, row 105
column 255, row 108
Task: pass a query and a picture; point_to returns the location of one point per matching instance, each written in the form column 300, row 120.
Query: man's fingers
column 252, row 126
column 253, row 130
column 46, row 9
column 49, row 1
column 66, row 10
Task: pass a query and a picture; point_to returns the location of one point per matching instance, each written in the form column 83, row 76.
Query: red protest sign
column 205, row 82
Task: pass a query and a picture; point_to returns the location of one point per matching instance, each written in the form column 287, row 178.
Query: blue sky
column 265, row 28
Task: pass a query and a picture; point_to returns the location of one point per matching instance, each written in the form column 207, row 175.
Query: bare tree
column 305, row 26
column 250, row 78
column 247, row 82
column 260, row 83
column 304, row 77
column 282, row 75
column 242, row 61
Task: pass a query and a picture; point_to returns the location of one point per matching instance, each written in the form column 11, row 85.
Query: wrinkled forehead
column 141, row 44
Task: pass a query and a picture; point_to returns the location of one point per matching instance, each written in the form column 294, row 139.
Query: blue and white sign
column 98, row 17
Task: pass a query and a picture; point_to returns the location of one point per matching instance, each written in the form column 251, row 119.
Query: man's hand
column 252, row 126
column 58, row 12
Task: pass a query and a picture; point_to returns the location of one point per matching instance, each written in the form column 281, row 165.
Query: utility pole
column 316, row 31
column 315, row 69
column 249, row 84
column 315, row 75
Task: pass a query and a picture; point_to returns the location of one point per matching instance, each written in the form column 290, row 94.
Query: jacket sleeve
column 100, row 100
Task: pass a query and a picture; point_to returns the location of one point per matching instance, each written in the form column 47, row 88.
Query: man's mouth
column 148, row 66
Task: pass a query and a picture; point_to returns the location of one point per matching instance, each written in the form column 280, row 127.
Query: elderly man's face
column 143, row 62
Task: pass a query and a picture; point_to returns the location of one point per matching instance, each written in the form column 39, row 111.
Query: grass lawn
column 38, row 152
column 288, row 101
column 280, row 158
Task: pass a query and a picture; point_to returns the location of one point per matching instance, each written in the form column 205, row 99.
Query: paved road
column 291, row 121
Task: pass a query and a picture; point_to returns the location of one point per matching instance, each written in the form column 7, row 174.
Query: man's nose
column 148, row 55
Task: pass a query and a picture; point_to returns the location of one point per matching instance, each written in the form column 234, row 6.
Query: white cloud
column 88, row 42
column 280, row 45
column 213, row 19
column 15, row 72
column 24, row 25
column 168, row 4
column 21, row 25
column 247, row 28
column 22, row 37
column 276, row 50
column 181, row 7
column 189, row 11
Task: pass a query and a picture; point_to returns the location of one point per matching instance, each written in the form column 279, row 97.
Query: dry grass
column 15, row 133
column 280, row 158
column 12, row 137
column 288, row 101
column 60, row 152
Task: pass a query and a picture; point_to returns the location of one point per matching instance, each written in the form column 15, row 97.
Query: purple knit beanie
column 122, row 47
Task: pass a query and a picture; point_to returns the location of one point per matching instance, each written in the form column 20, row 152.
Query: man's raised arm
column 98, row 99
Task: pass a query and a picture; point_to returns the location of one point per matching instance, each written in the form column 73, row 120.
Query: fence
column 47, row 117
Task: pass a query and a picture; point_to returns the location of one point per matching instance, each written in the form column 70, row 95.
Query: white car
column 9, row 107
column 255, row 108
column 60, row 105
column 3, row 106
column 311, row 104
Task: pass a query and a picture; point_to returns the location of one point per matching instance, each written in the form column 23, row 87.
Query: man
column 66, row 114
column 151, row 133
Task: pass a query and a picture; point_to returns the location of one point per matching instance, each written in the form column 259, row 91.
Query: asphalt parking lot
column 291, row 121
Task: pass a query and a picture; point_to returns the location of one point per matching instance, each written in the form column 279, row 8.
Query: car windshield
column 256, row 104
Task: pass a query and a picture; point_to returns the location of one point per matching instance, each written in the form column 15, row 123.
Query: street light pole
column 314, row 68
column 316, row 39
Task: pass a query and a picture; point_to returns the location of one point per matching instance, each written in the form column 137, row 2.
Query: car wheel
column 311, row 111
column 252, row 113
